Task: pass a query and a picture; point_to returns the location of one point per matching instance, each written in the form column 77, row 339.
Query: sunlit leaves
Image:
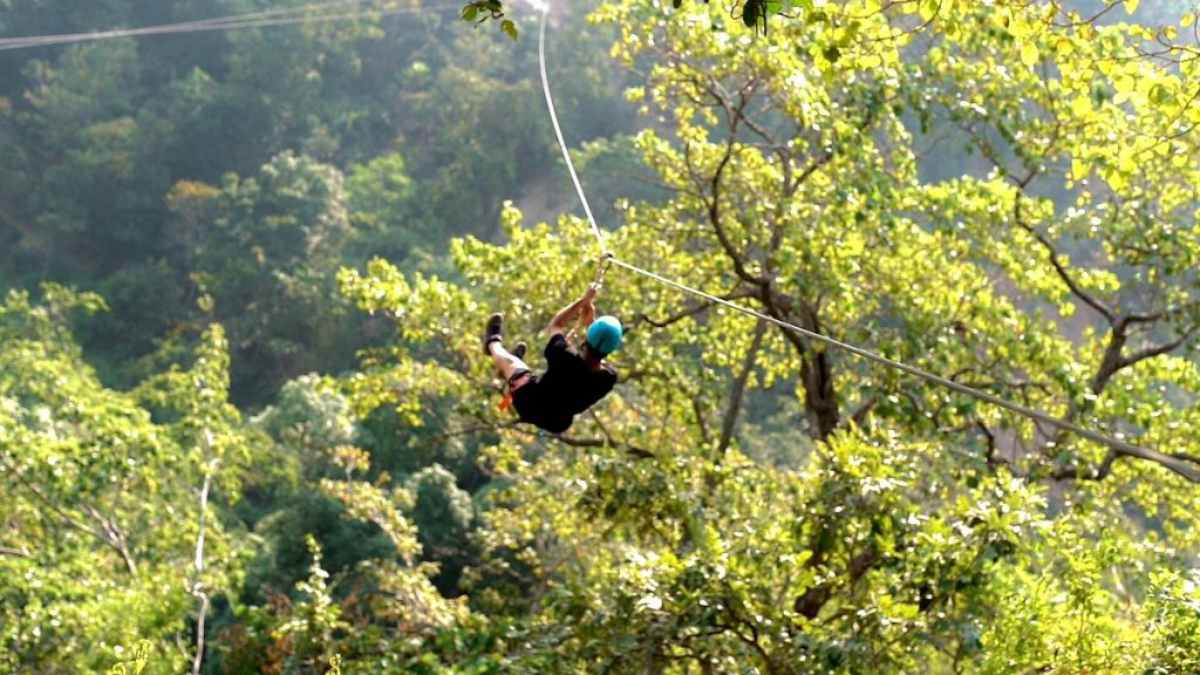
column 102, row 494
column 925, row 534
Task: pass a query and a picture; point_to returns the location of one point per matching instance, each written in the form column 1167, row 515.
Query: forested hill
column 246, row 425
column 146, row 169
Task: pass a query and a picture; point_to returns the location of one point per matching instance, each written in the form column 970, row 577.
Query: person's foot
column 519, row 350
column 491, row 333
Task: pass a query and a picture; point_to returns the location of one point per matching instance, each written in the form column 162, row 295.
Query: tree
column 905, row 17
column 384, row 209
column 385, row 617
column 111, row 143
column 270, row 243
column 444, row 516
column 84, row 151
column 104, row 514
column 925, row 528
column 310, row 424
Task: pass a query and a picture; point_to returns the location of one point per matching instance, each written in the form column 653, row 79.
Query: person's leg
column 507, row 363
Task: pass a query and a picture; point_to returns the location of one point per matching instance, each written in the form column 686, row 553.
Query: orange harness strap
column 511, row 386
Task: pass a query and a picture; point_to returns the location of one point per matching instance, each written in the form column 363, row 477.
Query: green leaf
column 469, row 12
column 852, row 30
column 929, row 9
column 1160, row 95
column 509, row 28
column 1029, row 53
column 1131, row 6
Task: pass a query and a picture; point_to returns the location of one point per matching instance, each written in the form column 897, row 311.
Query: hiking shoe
column 491, row 333
column 519, row 350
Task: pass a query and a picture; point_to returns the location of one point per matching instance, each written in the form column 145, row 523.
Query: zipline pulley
column 602, row 265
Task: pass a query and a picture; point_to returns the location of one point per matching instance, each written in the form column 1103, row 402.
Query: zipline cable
column 89, row 35
column 1179, row 466
column 177, row 29
column 225, row 21
column 558, row 130
column 267, row 18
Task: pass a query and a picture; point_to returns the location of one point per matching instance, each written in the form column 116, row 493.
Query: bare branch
column 692, row 311
column 1164, row 314
column 859, row 415
column 16, row 552
column 700, row 419
column 715, row 219
column 761, row 132
column 990, row 455
column 604, row 442
column 111, row 536
column 810, row 603
column 1076, row 473
column 1151, row 352
column 1063, row 274
column 715, row 216
column 738, row 390
column 587, row 442
column 1183, row 465
column 197, row 584
column 1183, row 456
column 1092, row 19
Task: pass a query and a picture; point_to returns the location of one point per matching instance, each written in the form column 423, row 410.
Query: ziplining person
column 574, row 380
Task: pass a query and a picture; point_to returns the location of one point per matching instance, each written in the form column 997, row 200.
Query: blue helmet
column 604, row 335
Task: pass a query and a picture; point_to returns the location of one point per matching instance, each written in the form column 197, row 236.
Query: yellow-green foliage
column 934, row 533
column 101, row 509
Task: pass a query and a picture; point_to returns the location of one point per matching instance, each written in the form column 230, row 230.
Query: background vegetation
column 245, row 425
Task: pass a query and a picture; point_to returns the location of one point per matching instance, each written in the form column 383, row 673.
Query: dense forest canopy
column 245, row 424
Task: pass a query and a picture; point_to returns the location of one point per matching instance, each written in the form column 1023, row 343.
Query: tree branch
column 990, row 455
column 1181, row 464
column 1065, row 276
column 1077, row 473
column 734, row 116
column 16, row 552
column 603, row 442
column 860, row 414
column 704, row 437
column 738, row 390
column 111, row 536
column 1164, row 314
column 114, row 536
column 641, row 453
column 197, row 584
column 809, row 605
column 1151, row 352
column 692, row 311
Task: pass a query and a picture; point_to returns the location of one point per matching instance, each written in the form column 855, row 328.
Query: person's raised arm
column 558, row 325
column 588, row 313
